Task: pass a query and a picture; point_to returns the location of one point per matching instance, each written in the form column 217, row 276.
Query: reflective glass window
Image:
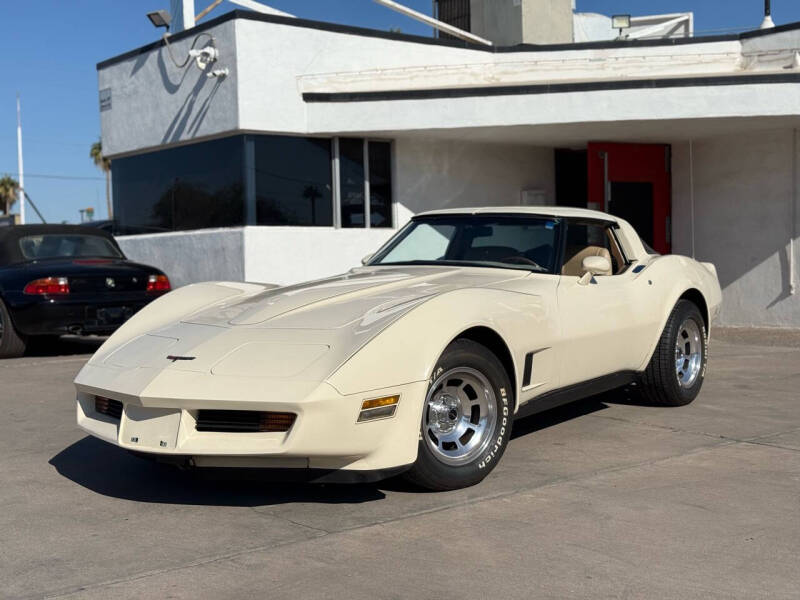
column 380, row 184
column 351, row 177
column 293, row 181
column 190, row 187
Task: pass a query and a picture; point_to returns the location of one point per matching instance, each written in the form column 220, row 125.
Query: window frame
column 337, row 183
column 611, row 227
column 626, row 261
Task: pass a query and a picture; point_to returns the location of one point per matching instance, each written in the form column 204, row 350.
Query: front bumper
column 325, row 436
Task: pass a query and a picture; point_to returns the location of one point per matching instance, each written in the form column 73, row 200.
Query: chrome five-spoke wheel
column 688, row 353
column 460, row 412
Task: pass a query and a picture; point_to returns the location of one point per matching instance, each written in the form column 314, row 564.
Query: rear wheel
column 466, row 419
column 678, row 366
column 12, row 344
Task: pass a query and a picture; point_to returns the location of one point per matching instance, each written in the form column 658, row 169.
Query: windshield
column 52, row 245
column 510, row 242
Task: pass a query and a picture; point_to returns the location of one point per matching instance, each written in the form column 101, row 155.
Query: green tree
column 104, row 164
column 9, row 188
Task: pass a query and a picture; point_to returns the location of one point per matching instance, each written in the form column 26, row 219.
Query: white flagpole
column 767, row 23
column 19, row 166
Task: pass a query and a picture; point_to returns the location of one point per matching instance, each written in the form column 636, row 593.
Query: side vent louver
column 528, row 372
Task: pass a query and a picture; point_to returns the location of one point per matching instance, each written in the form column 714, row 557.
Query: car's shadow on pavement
column 111, row 471
column 628, row 394
column 64, row 346
column 554, row 416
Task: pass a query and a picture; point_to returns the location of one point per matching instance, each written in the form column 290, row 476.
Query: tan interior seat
column 573, row 265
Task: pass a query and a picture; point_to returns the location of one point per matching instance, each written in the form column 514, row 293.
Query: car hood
column 362, row 296
column 303, row 331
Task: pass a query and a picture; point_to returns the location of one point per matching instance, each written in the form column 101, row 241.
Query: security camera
column 204, row 56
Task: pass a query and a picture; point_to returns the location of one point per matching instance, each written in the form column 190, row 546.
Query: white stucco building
column 322, row 140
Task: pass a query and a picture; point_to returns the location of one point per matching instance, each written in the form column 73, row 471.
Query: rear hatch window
column 51, row 245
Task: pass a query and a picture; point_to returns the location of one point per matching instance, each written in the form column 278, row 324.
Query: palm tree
column 104, row 164
column 8, row 192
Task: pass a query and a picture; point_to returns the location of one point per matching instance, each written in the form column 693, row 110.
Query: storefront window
column 254, row 180
column 380, row 184
column 351, row 176
column 293, row 181
column 190, row 187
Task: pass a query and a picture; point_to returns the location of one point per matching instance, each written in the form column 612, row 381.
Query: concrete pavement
column 602, row 499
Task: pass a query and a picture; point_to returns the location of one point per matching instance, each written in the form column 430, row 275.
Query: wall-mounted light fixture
column 160, row 18
column 621, row 22
column 204, row 57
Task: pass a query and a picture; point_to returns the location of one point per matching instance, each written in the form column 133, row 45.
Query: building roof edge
column 417, row 39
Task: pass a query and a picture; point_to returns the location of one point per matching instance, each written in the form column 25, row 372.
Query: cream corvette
column 417, row 362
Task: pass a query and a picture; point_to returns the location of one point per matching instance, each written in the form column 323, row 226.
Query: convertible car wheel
column 11, row 344
column 676, row 370
column 466, row 420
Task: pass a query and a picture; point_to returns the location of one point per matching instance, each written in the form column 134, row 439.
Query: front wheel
column 678, row 366
column 466, row 419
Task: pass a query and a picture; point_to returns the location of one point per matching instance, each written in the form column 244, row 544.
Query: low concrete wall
column 282, row 255
column 191, row 256
column 742, row 189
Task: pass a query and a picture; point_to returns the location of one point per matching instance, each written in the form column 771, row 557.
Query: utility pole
column 19, row 166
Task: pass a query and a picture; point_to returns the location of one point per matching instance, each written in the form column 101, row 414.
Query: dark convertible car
column 67, row 279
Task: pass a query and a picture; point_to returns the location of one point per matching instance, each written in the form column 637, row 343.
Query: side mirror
column 594, row 265
column 366, row 259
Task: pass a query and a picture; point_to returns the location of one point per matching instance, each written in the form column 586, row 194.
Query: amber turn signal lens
column 276, row 421
column 378, row 408
column 379, row 402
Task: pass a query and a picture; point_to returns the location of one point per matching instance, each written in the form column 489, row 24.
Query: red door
column 632, row 181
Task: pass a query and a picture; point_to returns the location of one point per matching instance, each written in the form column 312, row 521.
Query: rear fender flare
column 695, row 277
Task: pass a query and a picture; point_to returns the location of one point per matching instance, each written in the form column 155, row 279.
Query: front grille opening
column 108, row 407
column 235, row 421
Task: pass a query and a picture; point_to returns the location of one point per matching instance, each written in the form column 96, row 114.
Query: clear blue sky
column 49, row 50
